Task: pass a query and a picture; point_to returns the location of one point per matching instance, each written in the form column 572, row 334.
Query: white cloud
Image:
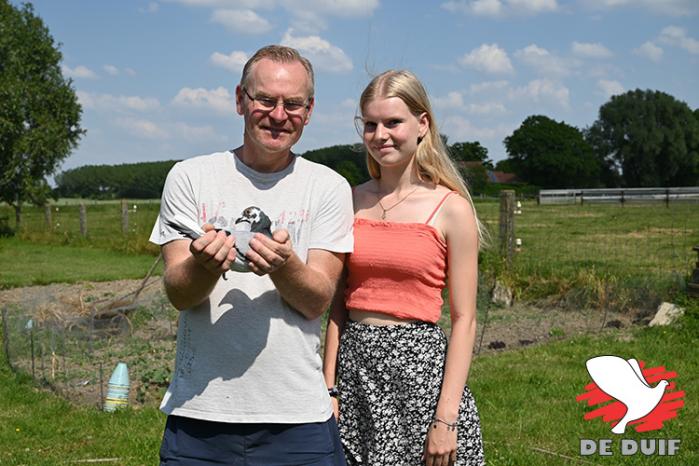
column 79, row 71
column 543, row 61
column 308, row 22
column 488, row 58
column 110, row 102
column 455, row 101
column 341, row 8
column 665, row 7
column 650, row 51
column 488, row 86
column 677, row 36
column 197, row 133
column 500, row 7
column 542, row 90
column 533, row 6
column 609, row 87
column 477, row 7
column 242, row 21
column 320, row 52
column 218, row 100
column 451, row 100
column 252, row 4
column 234, row 61
column 486, row 108
column 459, row 128
column 111, row 70
column 152, row 7
column 130, row 71
column 349, row 104
column 142, row 128
column 590, row 50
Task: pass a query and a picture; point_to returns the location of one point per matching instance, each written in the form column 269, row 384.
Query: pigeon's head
column 251, row 216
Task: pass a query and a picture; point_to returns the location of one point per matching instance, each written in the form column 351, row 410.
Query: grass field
column 526, row 398
column 590, row 255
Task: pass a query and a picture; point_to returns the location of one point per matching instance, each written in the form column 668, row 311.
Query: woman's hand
column 440, row 446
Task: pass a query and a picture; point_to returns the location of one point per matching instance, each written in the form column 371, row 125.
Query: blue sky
column 156, row 78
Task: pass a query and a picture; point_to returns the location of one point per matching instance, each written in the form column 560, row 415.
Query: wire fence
column 73, row 342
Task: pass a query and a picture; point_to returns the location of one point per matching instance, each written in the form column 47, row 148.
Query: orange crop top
column 399, row 269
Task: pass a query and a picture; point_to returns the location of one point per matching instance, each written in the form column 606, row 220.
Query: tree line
column 640, row 139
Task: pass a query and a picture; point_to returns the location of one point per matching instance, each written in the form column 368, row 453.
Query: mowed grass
column 526, row 398
column 602, row 255
column 27, row 263
column 38, row 428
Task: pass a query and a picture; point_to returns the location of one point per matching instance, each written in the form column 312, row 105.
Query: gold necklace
column 383, row 214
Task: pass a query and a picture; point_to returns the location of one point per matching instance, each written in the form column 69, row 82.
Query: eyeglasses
column 268, row 104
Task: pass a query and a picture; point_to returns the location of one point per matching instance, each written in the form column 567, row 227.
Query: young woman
column 402, row 391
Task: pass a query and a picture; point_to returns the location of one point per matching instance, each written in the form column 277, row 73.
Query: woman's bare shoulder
column 364, row 193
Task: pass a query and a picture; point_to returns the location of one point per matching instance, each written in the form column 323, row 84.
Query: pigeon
column 252, row 220
column 623, row 380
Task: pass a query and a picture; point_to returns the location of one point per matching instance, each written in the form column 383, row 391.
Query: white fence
column 618, row 195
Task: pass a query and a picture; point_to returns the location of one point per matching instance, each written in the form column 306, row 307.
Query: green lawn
column 26, row 263
column 526, row 400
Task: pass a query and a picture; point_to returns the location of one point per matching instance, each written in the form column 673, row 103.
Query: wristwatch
column 333, row 392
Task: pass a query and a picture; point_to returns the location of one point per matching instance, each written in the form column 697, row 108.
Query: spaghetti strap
column 438, row 206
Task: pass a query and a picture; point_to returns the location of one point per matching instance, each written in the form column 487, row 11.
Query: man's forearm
column 307, row 290
column 188, row 284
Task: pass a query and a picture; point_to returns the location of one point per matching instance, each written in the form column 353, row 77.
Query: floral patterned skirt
column 390, row 379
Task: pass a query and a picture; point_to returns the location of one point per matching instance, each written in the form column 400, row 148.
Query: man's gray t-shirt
column 244, row 355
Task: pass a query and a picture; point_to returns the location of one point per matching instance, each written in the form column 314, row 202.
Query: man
column 247, row 386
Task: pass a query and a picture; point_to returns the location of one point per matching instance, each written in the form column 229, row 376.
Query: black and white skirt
column 390, row 379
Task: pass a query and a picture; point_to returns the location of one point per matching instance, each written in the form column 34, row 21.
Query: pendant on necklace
column 383, row 215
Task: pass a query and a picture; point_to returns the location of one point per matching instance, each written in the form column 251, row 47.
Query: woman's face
column 391, row 131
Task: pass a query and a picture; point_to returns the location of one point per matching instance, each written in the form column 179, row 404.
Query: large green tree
column 39, row 111
column 649, row 138
column 552, row 154
column 470, row 151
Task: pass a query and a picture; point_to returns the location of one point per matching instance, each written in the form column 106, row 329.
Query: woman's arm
column 458, row 224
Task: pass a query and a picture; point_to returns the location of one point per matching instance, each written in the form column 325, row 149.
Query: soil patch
column 75, row 354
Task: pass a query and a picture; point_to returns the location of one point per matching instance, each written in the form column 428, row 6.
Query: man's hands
column 214, row 250
column 267, row 255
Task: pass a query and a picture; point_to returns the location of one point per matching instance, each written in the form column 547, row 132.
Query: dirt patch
column 525, row 324
column 74, row 353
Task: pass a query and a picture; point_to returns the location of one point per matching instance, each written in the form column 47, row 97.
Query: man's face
column 276, row 130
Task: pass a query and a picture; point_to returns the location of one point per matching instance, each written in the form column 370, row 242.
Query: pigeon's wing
column 185, row 226
column 611, row 374
column 637, row 369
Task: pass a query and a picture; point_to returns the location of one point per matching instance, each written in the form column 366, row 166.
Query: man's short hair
column 279, row 54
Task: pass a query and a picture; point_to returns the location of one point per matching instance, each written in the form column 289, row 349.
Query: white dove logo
column 622, row 379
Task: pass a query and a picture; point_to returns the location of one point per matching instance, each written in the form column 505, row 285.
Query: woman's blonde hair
column 432, row 161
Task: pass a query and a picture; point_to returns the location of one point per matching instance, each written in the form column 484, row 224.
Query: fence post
column 622, row 198
column 507, row 225
column 47, row 217
column 83, row 220
column 667, row 198
column 124, row 216
column 6, row 338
